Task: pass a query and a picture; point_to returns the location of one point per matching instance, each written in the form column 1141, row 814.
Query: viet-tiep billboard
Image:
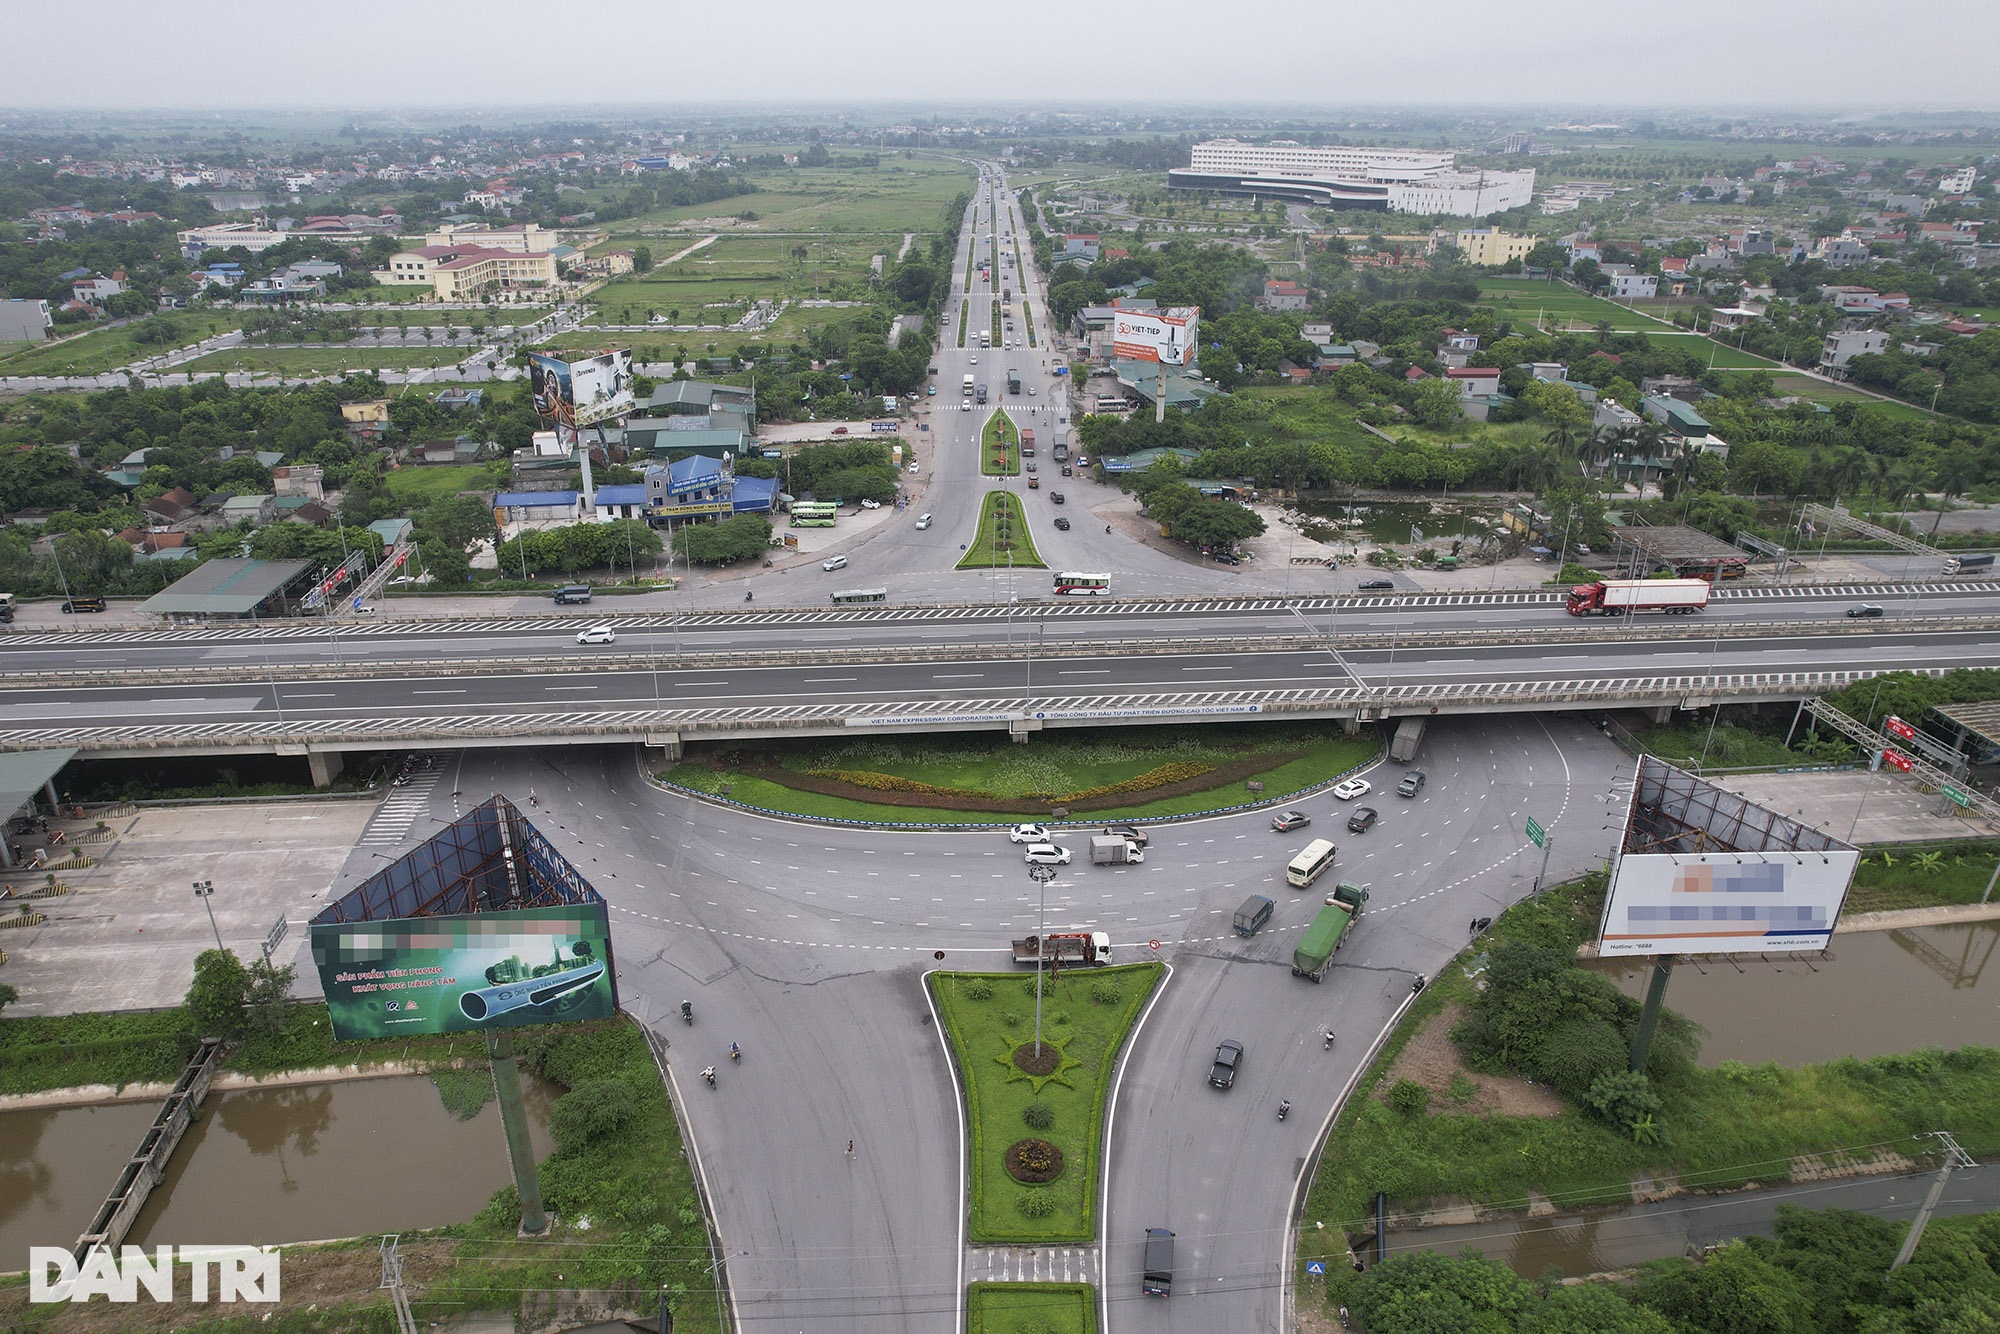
column 1725, row 902
column 1156, row 335
column 578, row 393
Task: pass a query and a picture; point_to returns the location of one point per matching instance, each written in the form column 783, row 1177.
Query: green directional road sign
column 1536, row 834
column 1956, row 795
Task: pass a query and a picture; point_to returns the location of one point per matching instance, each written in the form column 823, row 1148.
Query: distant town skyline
column 1831, row 55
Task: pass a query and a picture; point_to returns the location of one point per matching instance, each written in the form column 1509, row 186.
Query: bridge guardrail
column 254, row 676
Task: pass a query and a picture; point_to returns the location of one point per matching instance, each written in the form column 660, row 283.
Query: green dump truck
column 1328, row 931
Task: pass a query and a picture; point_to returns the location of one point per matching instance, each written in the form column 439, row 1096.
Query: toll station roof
column 22, row 774
column 228, row 587
column 1677, row 542
column 1981, row 718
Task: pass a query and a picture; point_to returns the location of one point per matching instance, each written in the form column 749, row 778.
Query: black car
column 1866, row 609
column 1062, row 524
column 77, row 604
column 1131, row 833
column 1358, row 822
column 1067, row 472
column 1377, row 585
column 1228, row 1058
column 1056, row 497
column 1225, row 558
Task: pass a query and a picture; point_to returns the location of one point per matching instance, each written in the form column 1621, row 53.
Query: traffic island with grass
column 1031, row 1308
column 1000, row 446
column 1003, row 541
column 1036, row 1113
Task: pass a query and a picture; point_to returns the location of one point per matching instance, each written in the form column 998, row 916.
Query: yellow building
column 463, row 272
column 1491, row 247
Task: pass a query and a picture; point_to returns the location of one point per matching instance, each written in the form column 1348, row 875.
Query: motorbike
column 735, row 1052
column 687, row 1012
column 1283, row 1108
column 1329, row 1040
column 709, row 1075
column 1419, row 984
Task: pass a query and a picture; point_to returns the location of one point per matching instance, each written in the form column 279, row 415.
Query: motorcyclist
column 1284, row 1105
column 687, row 1011
column 1329, row 1038
column 735, row 1052
column 1418, row 985
column 709, row 1075
column 749, row 595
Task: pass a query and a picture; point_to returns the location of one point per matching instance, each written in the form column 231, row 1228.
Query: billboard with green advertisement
column 423, row 975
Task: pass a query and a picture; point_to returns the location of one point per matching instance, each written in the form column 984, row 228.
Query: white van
column 834, row 563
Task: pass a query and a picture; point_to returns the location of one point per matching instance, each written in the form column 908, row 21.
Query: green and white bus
column 814, row 513
column 862, row 595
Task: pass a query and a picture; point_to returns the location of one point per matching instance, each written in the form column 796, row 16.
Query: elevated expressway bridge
column 319, row 689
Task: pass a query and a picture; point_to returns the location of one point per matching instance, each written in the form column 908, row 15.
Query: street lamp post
column 1041, row 875
column 202, row 890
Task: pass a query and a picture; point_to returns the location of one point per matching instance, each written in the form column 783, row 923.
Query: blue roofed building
column 518, row 507
column 699, row 485
column 626, row 500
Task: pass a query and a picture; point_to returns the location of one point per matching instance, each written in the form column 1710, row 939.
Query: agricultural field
column 903, row 194
column 738, row 269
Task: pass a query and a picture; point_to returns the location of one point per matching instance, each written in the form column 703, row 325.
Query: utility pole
column 1953, row 1157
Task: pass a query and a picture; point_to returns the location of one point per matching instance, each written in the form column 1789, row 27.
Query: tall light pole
column 202, row 890
column 1041, row 875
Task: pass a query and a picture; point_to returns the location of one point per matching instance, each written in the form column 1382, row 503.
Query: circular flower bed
column 1034, row 1161
column 1038, row 1061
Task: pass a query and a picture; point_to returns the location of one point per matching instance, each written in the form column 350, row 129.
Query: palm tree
column 1560, row 437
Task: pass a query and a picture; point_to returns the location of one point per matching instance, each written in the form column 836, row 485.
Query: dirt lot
column 1431, row 1059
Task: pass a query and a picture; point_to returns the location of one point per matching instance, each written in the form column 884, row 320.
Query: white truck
column 1621, row 597
column 1065, row 948
column 1111, row 850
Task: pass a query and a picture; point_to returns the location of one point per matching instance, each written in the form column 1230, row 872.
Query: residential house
column 1475, row 381
column 299, row 479
column 95, row 290
column 1841, row 348
column 1679, row 418
column 1837, row 253
column 1081, row 246
column 171, row 507
column 1293, row 373
column 513, row 508
column 1280, row 294
column 1634, row 287
column 253, row 510
column 366, row 419
column 625, row 501
column 1317, row 331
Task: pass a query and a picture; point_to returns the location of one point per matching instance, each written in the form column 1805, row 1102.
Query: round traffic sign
column 1152, row 944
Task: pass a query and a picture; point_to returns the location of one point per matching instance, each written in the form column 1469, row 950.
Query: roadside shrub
column 1625, row 1098
column 1409, row 1097
column 977, row 989
column 1579, row 1050
column 1105, row 992
column 1038, row 1115
column 592, row 1112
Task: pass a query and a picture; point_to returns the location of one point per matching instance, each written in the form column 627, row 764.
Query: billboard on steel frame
column 578, row 393
column 466, row 973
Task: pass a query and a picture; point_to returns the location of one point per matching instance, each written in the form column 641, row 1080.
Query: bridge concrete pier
column 668, row 744
column 1660, row 714
column 1020, row 729
column 1351, row 725
column 325, row 766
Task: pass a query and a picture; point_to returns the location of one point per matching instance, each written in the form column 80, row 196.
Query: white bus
column 1071, row 584
column 1310, row 865
column 861, row 595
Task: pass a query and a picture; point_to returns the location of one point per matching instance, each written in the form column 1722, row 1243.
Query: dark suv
column 1377, row 585
column 1413, row 783
column 1228, row 1059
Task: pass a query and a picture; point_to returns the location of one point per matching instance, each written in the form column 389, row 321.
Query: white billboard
column 1725, row 902
column 1156, row 335
column 602, row 385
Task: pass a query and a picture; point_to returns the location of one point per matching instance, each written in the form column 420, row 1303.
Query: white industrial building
column 1398, row 180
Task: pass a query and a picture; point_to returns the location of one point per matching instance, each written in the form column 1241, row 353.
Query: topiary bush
column 1038, row 1115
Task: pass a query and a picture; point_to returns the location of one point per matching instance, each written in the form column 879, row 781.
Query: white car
column 598, row 634
column 1028, row 833
column 1046, row 854
column 871, row 504
column 1352, row 788
column 975, row 361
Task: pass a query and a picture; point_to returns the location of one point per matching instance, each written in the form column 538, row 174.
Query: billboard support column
column 1649, row 1017
column 514, row 1122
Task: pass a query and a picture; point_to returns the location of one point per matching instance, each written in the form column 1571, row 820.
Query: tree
column 215, row 1000
column 1591, row 1308
column 1735, row 1291
column 456, row 521
column 1437, row 403
column 642, row 259
column 268, row 995
column 1422, row 1292
column 1213, row 523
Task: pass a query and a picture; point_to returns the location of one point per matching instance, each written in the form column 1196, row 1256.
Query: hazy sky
column 1835, row 54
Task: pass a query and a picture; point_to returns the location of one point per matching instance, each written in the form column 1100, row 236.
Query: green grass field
column 101, row 350
column 417, row 485
column 1003, row 540
column 1560, row 307
column 1030, row 1308
column 325, row 359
